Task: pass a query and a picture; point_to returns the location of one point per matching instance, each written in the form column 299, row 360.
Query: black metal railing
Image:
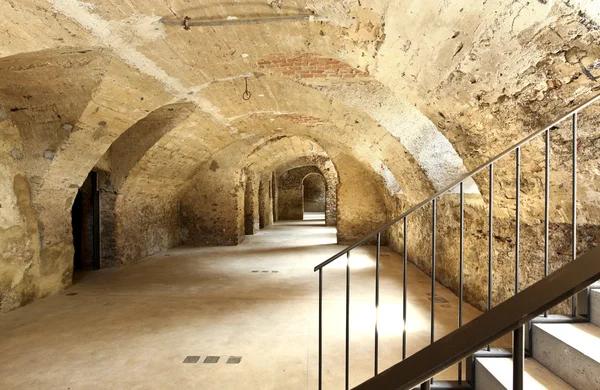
column 519, row 333
column 511, row 314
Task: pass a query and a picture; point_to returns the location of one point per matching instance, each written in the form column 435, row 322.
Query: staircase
column 548, row 352
column 564, row 354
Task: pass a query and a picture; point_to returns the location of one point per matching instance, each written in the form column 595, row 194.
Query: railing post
column 404, row 289
column 377, row 255
column 574, row 208
column 347, row 321
column 461, row 267
column 433, row 253
column 490, row 241
column 518, row 357
column 517, row 218
column 547, row 210
column 519, row 333
column 320, row 328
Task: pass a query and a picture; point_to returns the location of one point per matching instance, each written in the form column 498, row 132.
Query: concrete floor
column 132, row 328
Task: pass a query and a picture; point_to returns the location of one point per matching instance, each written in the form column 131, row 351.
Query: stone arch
column 356, row 88
column 325, row 168
column 291, row 189
column 314, row 190
column 220, row 184
column 64, row 129
column 119, row 162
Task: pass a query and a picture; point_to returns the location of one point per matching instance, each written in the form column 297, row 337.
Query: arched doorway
column 314, row 190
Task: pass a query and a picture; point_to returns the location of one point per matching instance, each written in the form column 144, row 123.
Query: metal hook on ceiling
column 246, row 95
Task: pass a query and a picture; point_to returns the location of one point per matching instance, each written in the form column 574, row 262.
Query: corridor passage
column 132, row 328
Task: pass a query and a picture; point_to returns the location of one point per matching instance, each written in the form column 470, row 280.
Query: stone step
column 496, row 374
column 595, row 307
column 571, row 351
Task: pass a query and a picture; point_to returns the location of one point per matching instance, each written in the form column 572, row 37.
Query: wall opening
column 85, row 223
column 248, row 222
column 273, row 185
column 314, row 196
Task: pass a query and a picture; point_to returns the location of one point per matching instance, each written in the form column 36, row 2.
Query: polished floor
column 132, row 328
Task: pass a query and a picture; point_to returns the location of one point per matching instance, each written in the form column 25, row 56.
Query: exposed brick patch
column 310, row 66
column 296, row 118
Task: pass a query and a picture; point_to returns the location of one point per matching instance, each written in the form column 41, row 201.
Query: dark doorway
column 85, row 221
column 77, row 225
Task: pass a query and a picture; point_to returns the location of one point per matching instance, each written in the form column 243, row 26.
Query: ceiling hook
column 246, row 95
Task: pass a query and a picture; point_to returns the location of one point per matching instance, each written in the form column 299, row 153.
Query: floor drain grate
column 191, row 359
column 385, row 255
column 71, row 294
column 254, row 271
column 234, row 360
column 264, row 271
column 212, row 359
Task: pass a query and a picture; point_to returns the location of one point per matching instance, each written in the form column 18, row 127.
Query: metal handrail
column 490, row 326
column 455, row 183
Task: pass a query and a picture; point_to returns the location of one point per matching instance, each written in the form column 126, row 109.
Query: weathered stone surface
column 291, row 194
column 391, row 101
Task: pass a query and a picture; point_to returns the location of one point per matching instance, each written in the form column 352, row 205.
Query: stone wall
column 390, row 111
column 251, row 206
column 265, row 198
column 291, row 199
column 212, row 210
column 161, row 221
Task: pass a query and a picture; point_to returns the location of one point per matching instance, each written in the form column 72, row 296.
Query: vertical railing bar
column 519, row 333
column 378, row 254
column 517, row 217
column 320, row 328
column 461, row 267
column 547, row 211
column 574, row 208
column 404, row 288
column 347, row 320
column 433, row 248
column 490, row 240
column 518, row 357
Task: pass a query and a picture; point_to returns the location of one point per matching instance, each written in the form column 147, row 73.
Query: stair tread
column 536, row 375
column 583, row 337
column 595, row 306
